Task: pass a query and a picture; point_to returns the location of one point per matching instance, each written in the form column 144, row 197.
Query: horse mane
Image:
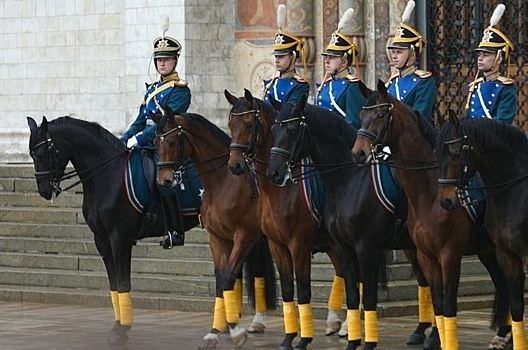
column 495, row 134
column 194, row 120
column 429, row 132
column 89, row 127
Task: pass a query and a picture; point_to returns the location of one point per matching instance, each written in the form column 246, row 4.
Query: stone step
column 49, row 215
column 29, row 185
column 33, row 199
column 203, row 285
column 196, row 303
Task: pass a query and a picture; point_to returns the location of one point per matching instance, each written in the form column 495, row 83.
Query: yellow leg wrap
column 354, row 325
column 519, row 335
column 219, row 316
column 337, row 294
column 425, row 305
column 441, row 329
column 290, row 317
column 260, row 295
column 115, row 305
column 371, row 326
column 231, row 306
column 238, row 292
column 306, row 321
column 451, row 333
column 125, row 309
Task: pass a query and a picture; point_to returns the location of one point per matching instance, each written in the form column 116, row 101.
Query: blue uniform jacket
column 341, row 95
column 174, row 93
column 415, row 88
column 494, row 98
column 286, row 89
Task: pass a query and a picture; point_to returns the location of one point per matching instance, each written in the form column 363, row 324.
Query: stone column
column 355, row 30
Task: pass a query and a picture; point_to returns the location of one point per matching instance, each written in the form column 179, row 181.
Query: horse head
column 49, row 164
column 289, row 146
column 249, row 122
column 170, row 141
column 457, row 160
column 377, row 119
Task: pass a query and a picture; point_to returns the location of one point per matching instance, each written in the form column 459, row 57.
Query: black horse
column 499, row 153
column 99, row 159
column 359, row 223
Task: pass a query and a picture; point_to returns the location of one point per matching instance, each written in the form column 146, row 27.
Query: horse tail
column 259, row 263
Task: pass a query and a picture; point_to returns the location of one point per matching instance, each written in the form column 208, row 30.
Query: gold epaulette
column 423, row 73
column 180, row 83
column 505, row 81
column 299, row 78
column 476, row 82
column 352, row 78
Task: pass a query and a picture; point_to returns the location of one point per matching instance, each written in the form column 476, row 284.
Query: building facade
column 91, row 58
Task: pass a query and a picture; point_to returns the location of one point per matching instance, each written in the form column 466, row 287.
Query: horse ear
column 302, row 101
column 32, row 124
column 248, row 96
column 439, row 120
column 382, row 89
column 453, row 119
column 365, row 91
column 275, row 104
column 155, row 116
column 230, row 98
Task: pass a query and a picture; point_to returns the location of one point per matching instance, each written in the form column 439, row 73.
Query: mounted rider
column 410, row 85
column 492, row 95
column 339, row 91
column 168, row 91
column 287, row 85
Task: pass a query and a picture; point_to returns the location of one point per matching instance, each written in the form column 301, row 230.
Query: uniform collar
column 171, row 77
column 341, row 74
column 492, row 77
column 287, row 74
column 407, row 71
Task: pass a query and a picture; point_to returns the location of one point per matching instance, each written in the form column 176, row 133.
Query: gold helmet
column 340, row 44
column 494, row 40
column 285, row 43
column 166, row 46
column 407, row 37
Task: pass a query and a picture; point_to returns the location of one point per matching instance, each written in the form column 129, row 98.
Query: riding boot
column 172, row 215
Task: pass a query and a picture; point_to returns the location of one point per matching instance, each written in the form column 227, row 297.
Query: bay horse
column 355, row 218
column 499, row 153
column 285, row 217
column 228, row 209
column 441, row 237
column 100, row 159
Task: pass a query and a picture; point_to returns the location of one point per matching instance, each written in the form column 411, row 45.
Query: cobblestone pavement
column 28, row 326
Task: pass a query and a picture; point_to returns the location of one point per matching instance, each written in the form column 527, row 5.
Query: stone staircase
column 47, row 255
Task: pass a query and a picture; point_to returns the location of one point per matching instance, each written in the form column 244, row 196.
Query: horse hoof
column 500, row 343
column 303, row 343
column 282, row 347
column 343, row 331
column 433, row 342
column 333, row 327
column 353, row 344
column 118, row 335
column 416, row 339
column 369, row 346
column 238, row 336
column 210, row 341
column 255, row 327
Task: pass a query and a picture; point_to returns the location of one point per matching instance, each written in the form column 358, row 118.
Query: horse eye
column 249, row 126
column 172, row 143
column 381, row 115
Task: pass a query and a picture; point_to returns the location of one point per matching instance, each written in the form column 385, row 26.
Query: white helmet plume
column 281, row 16
column 408, row 11
column 164, row 25
column 497, row 14
column 346, row 18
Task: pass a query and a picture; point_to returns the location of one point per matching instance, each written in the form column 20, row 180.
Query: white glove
column 132, row 142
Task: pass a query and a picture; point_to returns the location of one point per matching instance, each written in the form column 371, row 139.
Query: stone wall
column 91, row 58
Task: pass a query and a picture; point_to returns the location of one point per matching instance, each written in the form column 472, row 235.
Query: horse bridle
column 463, row 178
column 376, row 148
column 177, row 165
column 248, row 151
column 55, row 174
column 292, row 156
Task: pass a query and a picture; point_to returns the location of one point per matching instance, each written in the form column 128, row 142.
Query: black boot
column 174, row 225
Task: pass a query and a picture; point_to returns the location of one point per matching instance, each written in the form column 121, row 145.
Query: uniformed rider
column 410, row 85
column 492, row 95
column 287, row 85
column 169, row 90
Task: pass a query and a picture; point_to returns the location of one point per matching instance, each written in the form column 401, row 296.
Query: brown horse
column 441, row 237
column 285, row 217
column 499, row 153
column 228, row 209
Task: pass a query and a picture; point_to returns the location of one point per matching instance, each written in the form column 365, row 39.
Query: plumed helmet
column 166, row 46
column 285, row 43
column 340, row 44
column 406, row 37
column 493, row 39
